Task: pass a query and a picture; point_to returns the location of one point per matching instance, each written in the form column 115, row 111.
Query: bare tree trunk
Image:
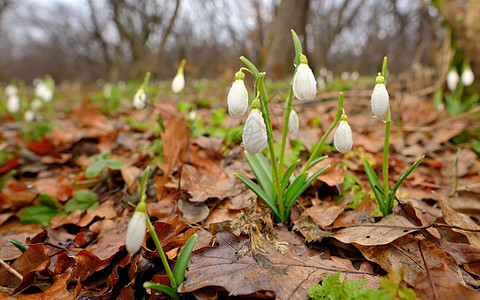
column 291, row 14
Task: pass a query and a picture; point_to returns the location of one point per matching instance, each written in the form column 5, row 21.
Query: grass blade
column 259, row 192
column 181, row 265
column 288, row 173
column 162, row 288
column 375, row 185
column 405, row 175
column 263, row 176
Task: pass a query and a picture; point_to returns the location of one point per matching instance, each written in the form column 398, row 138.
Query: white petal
column 343, row 140
column 452, row 80
column 467, row 77
column 178, row 83
column 139, row 99
column 11, row 90
column 379, row 101
column 237, row 99
column 293, row 121
column 136, row 232
column 29, row 116
column 304, row 83
column 13, row 104
column 254, row 132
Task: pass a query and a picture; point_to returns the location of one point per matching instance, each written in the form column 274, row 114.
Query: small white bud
column 343, row 140
column 136, row 232
column 139, row 99
column 321, row 83
column 452, row 80
column 323, row 72
column 13, row 103
column 29, row 116
column 11, row 90
column 293, row 121
column 354, row 76
column 329, row 77
column 36, row 104
column 467, row 77
column 237, row 99
column 380, row 99
column 43, row 92
column 254, row 132
column 178, row 83
column 304, row 83
column 344, row 76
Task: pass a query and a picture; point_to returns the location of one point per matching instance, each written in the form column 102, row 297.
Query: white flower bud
column 323, row 72
column 136, row 232
column 343, row 140
column 36, row 104
column 254, row 132
column 321, row 83
column 43, row 92
column 139, row 99
column 11, row 90
column 354, row 76
column 452, row 80
column 29, row 116
column 178, row 83
column 293, row 121
column 13, row 103
column 344, row 76
column 304, row 83
column 237, row 99
column 380, row 99
column 467, row 77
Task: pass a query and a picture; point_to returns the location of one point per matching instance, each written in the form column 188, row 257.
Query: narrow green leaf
column 250, row 65
column 259, row 192
column 19, row 245
column 162, row 288
column 113, row 164
column 293, row 188
column 182, row 262
column 405, row 175
column 262, row 175
column 305, row 185
column 373, row 181
column 316, row 161
column 288, row 173
column 265, row 164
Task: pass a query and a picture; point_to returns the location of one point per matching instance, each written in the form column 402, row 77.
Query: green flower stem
column 163, row 257
column 322, row 141
column 268, row 123
column 286, row 118
column 142, row 207
column 386, row 189
column 384, row 68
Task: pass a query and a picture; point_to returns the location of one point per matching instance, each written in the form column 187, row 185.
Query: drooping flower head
column 452, row 80
column 380, row 100
column 254, row 132
column 139, row 100
column 467, row 77
column 136, row 231
column 11, row 90
column 293, row 121
column 29, row 116
column 237, row 98
column 304, row 83
column 13, row 104
column 343, row 140
column 178, row 82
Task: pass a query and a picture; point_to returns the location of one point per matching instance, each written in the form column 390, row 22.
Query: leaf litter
column 244, row 252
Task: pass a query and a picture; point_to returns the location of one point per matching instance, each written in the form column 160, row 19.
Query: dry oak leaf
column 384, row 232
column 452, row 217
column 446, row 287
column 289, row 275
column 405, row 252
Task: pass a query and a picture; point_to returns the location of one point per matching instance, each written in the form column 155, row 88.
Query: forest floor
column 74, row 227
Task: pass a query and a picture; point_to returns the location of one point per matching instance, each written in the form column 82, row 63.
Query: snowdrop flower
column 344, row 76
column 354, row 76
column 36, row 104
column 467, row 77
column 380, row 100
column 237, row 99
column 13, row 104
column 343, row 140
column 323, row 72
column 254, row 132
column 29, row 116
column 329, row 76
column 304, row 83
column 178, row 82
column 139, row 99
column 43, row 92
column 293, row 121
column 321, row 83
column 136, row 232
column 452, row 80
column 11, row 90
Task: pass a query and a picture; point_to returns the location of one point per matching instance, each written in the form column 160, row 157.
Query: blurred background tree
column 121, row 39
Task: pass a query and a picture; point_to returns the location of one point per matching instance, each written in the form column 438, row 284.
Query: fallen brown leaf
column 289, row 275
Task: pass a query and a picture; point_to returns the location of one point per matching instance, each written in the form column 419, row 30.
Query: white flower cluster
column 44, row 90
column 453, row 78
column 13, row 100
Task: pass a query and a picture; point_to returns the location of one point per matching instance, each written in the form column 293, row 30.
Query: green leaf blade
column 182, row 262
